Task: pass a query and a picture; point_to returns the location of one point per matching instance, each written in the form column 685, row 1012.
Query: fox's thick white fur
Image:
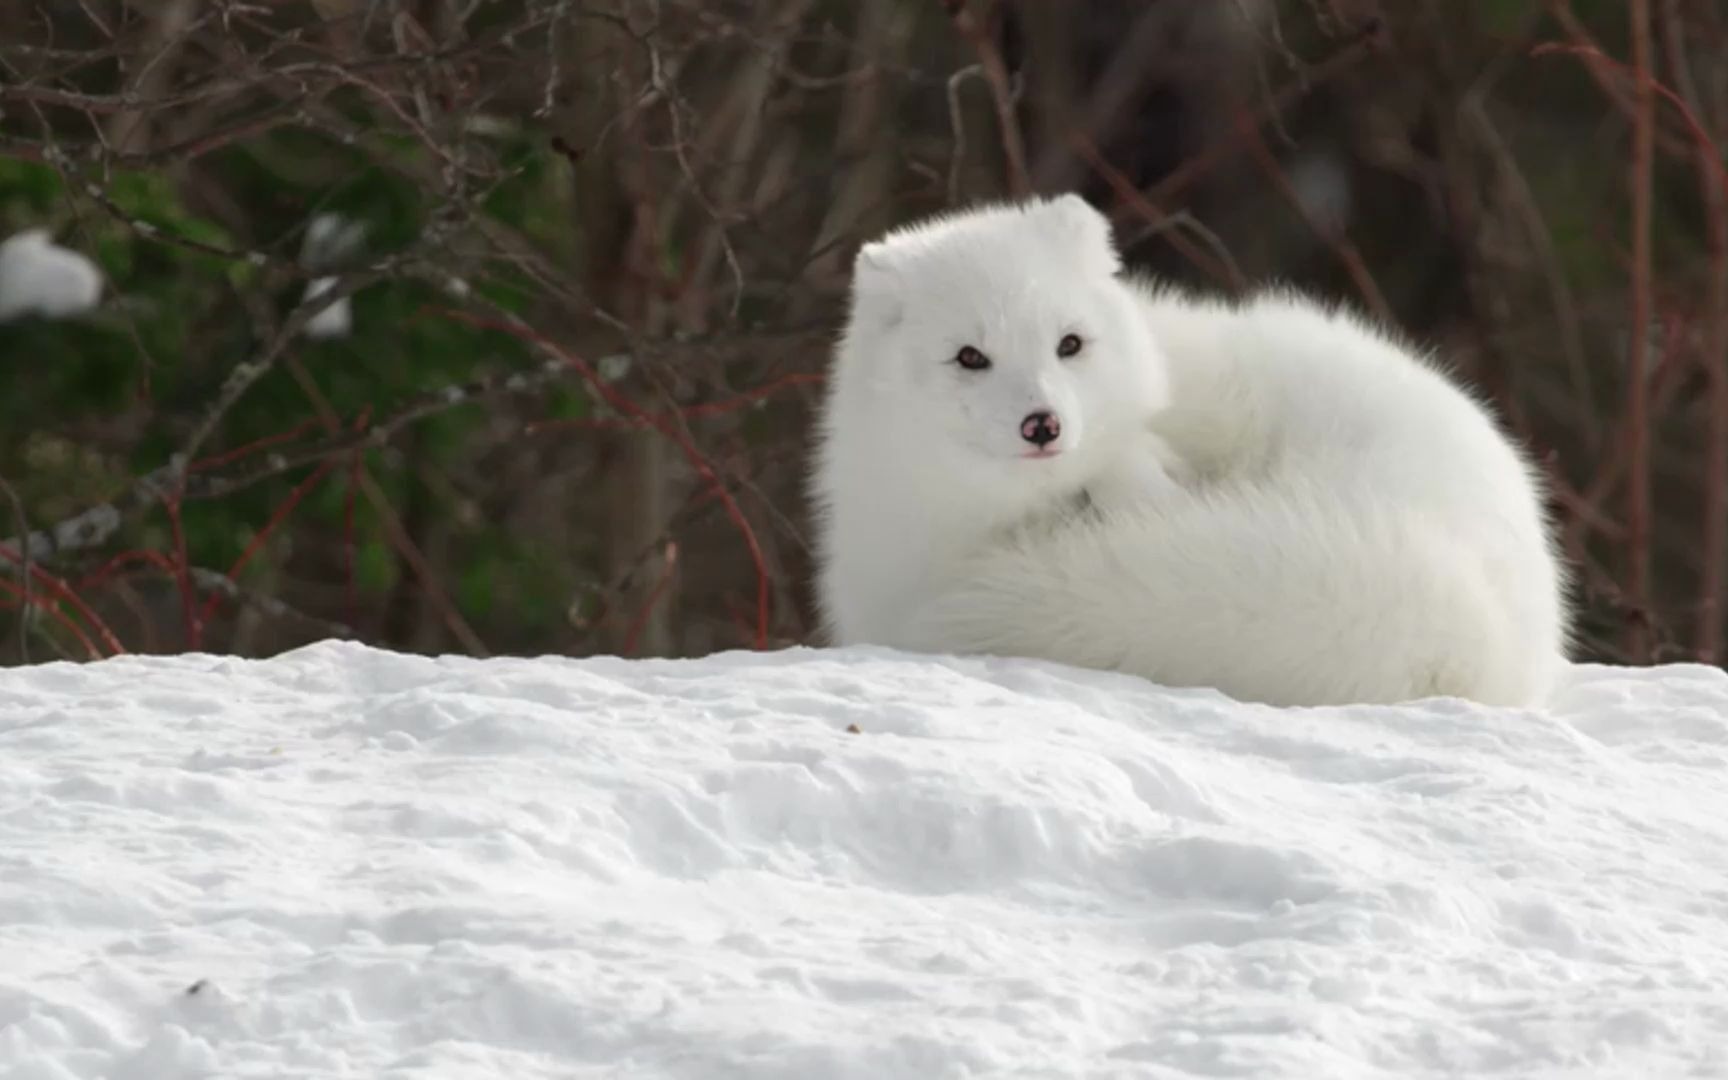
column 1267, row 497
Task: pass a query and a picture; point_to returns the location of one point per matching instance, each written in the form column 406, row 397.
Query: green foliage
column 375, row 567
column 27, row 190
column 175, row 323
column 1505, row 18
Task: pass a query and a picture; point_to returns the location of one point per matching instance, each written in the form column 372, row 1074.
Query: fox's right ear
column 875, row 285
column 1079, row 223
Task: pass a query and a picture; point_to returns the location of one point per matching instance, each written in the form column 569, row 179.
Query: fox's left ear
column 875, row 284
column 1077, row 223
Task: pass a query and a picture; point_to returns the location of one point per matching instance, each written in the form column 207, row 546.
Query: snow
column 335, row 319
column 330, row 239
column 343, row 862
column 39, row 277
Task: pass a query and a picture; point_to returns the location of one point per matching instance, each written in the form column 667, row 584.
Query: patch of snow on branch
column 39, row 277
column 330, row 240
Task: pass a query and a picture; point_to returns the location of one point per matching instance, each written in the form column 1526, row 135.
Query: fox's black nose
column 1041, row 429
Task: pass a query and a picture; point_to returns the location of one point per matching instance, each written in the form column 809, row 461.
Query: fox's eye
column 1068, row 346
column 971, row 359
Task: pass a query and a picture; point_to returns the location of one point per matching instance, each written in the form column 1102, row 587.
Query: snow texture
column 344, row 862
column 39, row 277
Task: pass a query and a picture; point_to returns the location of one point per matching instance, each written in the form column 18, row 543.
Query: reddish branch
column 1338, row 241
column 1184, row 175
column 24, row 600
column 1219, row 266
column 1713, row 194
column 1714, row 167
column 181, row 568
column 1638, row 345
column 21, row 523
column 689, row 412
column 1600, row 66
column 1634, row 446
column 1713, row 584
column 142, row 560
column 246, row 450
column 58, row 588
column 350, row 549
column 301, row 490
column 679, row 437
column 395, row 532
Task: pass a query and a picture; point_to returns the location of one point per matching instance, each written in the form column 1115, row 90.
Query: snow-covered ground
column 345, row 862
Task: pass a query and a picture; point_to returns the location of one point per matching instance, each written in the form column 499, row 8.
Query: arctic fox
column 1024, row 452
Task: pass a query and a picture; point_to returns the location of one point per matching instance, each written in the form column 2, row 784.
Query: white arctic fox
column 1023, row 453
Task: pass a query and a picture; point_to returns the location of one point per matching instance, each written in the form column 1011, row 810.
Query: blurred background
column 496, row 326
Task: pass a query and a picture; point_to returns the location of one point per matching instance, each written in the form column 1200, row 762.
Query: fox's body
column 1265, row 497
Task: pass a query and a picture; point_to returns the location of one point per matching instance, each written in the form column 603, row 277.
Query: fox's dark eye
column 971, row 359
column 1068, row 346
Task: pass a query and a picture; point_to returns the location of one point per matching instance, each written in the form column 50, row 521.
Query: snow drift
column 344, row 862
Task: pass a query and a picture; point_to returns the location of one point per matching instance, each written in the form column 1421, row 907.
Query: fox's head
column 1003, row 334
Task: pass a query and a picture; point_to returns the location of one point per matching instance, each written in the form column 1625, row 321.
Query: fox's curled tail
column 1286, row 594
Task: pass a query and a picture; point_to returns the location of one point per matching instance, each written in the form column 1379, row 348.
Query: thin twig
column 1713, row 359
column 1339, row 241
column 9, row 589
column 1165, row 191
column 60, row 590
column 21, row 524
column 401, row 541
column 210, row 581
column 1638, row 344
column 505, row 322
column 1001, row 94
column 957, row 127
column 669, row 564
column 1215, row 262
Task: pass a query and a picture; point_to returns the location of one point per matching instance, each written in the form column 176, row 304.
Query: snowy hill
column 349, row 863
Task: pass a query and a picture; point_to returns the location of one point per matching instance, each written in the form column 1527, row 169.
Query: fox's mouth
column 1036, row 454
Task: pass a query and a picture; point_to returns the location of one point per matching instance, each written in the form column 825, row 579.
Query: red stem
column 1638, row 578
column 224, row 458
column 66, row 620
column 301, row 490
column 183, row 576
column 63, row 591
column 698, row 461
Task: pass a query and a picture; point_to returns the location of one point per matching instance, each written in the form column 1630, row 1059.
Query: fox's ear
column 1076, row 223
column 875, row 257
column 875, row 284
